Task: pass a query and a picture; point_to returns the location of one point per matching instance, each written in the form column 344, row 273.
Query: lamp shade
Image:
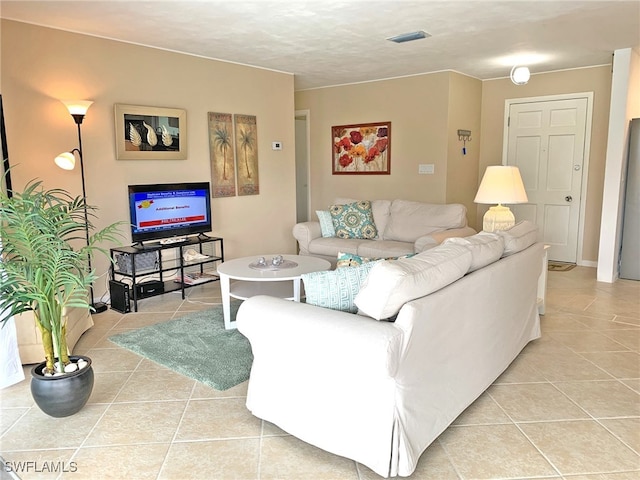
column 66, row 161
column 77, row 107
column 501, row 184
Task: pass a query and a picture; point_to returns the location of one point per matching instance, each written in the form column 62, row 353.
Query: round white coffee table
column 249, row 281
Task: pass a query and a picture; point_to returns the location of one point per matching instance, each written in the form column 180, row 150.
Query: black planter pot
column 63, row 395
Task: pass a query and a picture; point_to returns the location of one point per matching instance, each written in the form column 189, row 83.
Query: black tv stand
column 146, row 246
column 133, row 266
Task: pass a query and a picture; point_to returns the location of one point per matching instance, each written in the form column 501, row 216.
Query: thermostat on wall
column 276, row 145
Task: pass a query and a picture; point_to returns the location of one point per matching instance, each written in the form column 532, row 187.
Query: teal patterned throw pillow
column 326, row 223
column 354, row 220
column 336, row 289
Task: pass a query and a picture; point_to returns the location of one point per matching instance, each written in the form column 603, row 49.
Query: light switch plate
column 426, row 169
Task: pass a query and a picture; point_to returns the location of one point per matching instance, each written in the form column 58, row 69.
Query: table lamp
column 500, row 184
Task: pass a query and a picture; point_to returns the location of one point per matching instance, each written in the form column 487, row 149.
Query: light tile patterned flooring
column 567, row 408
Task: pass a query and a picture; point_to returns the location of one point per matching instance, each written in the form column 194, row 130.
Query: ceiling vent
column 409, row 37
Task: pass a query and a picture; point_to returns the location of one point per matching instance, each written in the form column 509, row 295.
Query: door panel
column 560, row 166
column 527, row 154
column 546, row 140
column 525, row 211
column 556, row 224
column 563, row 117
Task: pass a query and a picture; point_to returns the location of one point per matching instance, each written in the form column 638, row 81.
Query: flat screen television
column 167, row 210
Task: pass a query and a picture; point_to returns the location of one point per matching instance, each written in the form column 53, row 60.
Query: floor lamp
column 67, row 161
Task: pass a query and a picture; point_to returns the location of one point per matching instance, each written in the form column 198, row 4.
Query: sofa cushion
column 354, row 220
column 329, row 246
column 485, row 248
column 411, row 220
column 351, row 260
column 381, row 210
column 393, row 283
column 326, row 223
column 336, row 289
column 384, row 248
column 522, row 235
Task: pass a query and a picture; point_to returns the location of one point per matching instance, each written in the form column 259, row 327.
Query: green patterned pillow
column 336, row 289
column 354, row 220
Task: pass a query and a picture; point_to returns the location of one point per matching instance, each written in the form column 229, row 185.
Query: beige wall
column 417, row 108
column 426, row 111
column 465, row 102
column 41, row 66
column 595, row 79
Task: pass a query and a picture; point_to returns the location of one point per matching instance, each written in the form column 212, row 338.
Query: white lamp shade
column 77, row 107
column 501, row 184
column 520, row 75
column 66, row 161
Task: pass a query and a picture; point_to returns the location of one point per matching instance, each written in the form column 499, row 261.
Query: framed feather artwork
column 150, row 133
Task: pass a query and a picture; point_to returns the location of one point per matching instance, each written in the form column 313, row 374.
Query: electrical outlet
column 276, row 145
column 426, row 169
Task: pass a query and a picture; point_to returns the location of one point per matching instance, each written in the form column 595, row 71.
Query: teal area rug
column 195, row 345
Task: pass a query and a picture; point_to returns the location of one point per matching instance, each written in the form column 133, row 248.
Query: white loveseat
column 403, row 227
column 379, row 392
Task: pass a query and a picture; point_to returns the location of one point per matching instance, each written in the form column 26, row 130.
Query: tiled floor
column 567, row 408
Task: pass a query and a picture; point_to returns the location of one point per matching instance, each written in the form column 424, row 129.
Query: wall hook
column 464, row 136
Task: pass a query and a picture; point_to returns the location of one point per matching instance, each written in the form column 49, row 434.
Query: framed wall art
column 150, row 133
column 246, row 136
column 361, row 149
column 221, row 153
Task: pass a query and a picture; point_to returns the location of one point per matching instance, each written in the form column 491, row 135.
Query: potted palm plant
column 45, row 244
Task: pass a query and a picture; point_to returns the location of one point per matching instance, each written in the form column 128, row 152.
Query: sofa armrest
column 429, row 241
column 305, row 232
column 423, row 243
column 281, row 330
column 324, row 376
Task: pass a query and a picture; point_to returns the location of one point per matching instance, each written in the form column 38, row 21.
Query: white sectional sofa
column 379, row 392
column 403, row 227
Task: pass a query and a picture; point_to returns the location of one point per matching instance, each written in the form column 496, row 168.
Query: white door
column 546, row 141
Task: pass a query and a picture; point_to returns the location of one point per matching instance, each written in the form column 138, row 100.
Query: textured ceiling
column 332, row 42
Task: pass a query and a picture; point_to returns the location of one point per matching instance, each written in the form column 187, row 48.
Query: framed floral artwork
column 150, row 133
column 361, row 149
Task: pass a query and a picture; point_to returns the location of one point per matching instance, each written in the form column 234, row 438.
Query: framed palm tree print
column 246, row 136
column 221, row 153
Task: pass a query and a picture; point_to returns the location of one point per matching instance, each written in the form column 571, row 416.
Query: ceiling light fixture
column 520, row 75
column 409, row 37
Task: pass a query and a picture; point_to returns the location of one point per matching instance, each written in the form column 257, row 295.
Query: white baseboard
column 588, row 263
